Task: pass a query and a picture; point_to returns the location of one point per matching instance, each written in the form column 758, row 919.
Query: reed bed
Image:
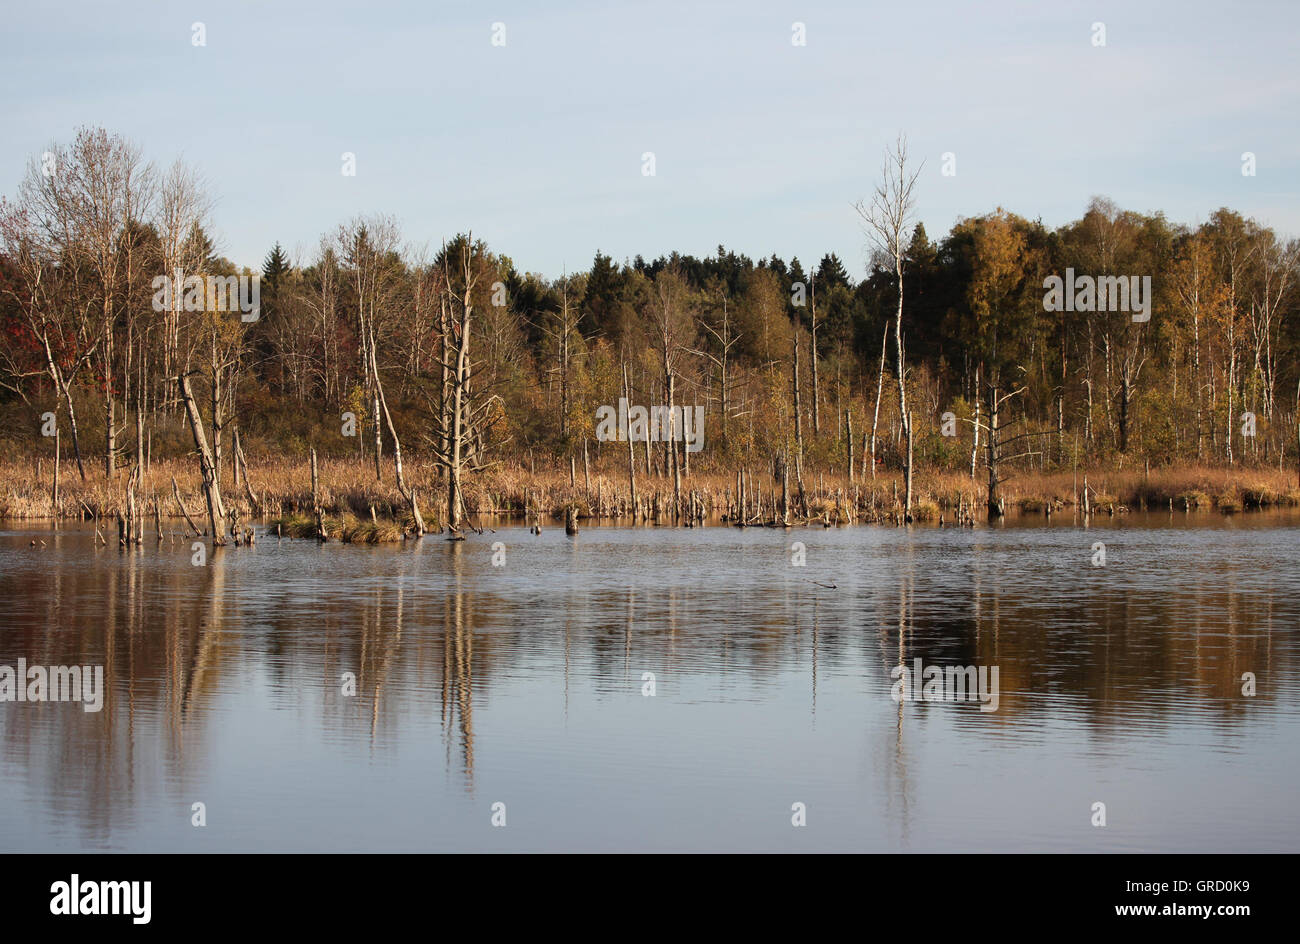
column 358, row 508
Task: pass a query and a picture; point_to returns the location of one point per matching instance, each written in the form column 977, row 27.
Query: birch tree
column 888, row 218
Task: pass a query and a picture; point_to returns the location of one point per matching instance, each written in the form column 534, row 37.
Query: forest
column 941, row 377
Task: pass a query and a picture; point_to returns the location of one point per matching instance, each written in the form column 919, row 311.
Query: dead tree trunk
column 211, row 488
column 254, row 503
column 381, row 401
column 110, row 419
column 672, row 446
column 217, row 422
column 907, row 490
column 798, row 423
column 816, row 409
column 880, row 389
column 54, row 496
column 991, row 451
column 785, row 490
column 848, row 419
column 176, row 493
column 631, row 450
column 586, row 471
column 461, row 413
column 975, row 447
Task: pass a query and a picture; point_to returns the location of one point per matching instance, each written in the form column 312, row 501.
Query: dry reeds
column 359, row 509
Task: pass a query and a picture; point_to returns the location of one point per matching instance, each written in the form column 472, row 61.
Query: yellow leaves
column 999, row 263
column 356, row 403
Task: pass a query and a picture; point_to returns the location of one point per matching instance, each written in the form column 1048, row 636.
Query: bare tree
column 207, row 466
column 1272, row 286
column 46, row 290
column 880, row 389
column 322, row 298
column 796, row 408
column 462, row 412
column 110, row 185
column 368, row 249
column 1197, row 293
column 72, row 216
column 888, row 222
column 561, row 328
column 672, row 329
column 726, row 337
column 183, row 205
column 812, row 357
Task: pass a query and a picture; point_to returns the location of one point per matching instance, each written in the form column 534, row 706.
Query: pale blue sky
column 760, row 145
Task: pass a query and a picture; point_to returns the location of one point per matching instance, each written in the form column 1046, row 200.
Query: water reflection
column 230, row 681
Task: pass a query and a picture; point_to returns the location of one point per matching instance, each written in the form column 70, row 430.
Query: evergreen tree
column 831, row 272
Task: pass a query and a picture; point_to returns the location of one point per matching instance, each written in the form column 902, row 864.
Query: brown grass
column 349, row 493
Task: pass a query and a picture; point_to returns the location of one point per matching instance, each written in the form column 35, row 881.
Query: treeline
column 368, row 344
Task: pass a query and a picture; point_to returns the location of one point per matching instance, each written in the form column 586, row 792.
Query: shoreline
column 357, row 507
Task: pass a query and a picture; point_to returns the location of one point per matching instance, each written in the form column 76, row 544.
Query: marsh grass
column 350, row 495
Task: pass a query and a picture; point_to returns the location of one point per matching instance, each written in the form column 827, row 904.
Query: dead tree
column 888, row 219
column 726, row 338
column 631, row 450
column 848, row 419
column 670, row 323
column 798, row 418
column 880, row 389
column 812, row 356
column 211, row 488
column 462, row 412
column 369, row 250
column 562, row 330
column 997, row 445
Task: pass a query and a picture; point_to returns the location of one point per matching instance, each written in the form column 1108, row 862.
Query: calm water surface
column 522, row 684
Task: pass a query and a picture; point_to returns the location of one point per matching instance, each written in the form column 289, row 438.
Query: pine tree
column 274, row 271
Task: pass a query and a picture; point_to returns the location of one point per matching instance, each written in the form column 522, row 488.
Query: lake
column 658, row 689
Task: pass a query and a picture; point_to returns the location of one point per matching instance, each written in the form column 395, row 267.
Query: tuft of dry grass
column 1227, row 502
column 382, row 531
column 925, row 510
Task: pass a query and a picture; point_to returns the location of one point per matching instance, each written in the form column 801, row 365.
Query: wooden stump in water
column 570, row 521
